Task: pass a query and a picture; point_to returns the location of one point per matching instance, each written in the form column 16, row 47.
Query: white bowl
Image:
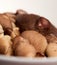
column 6, row 60
column 46, row 8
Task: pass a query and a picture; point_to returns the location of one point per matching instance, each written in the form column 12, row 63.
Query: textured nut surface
column 51, row 50
column 23, row 48
column 9, row 16
column 5, row 45
column 27, row 21
column 36, row 39
column 5, row 22
column 51, row 38
column 15, row 31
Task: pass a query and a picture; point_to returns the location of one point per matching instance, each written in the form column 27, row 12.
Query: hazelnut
column 51, row 50
column 6, row 45
column 23, row 48
column 36, row 39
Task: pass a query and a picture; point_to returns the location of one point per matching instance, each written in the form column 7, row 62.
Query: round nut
column 23, row 48
column 51, row 50
column 6, row 45
column 36, row 39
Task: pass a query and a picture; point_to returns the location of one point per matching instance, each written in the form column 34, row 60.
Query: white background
column 46, row 8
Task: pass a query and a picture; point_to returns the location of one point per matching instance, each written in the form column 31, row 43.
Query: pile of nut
column 27, row 35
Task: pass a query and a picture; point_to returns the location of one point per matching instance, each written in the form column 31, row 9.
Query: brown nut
column 51, row 38
column 6, row 24
column 43, row 25
column 36, row 39
column 51, row 50
column 23, row 48
column 6, row 45
column 4, row 21
column 10, row 14
column 27, row 22
column 35, row 22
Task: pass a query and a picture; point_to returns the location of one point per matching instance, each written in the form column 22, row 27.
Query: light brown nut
column 6, row 45
column 5, row 16
column 9, row 16
column 1, row 31
column 51, row 50
column 36, row 39
column 23, row 48
column 15, row 31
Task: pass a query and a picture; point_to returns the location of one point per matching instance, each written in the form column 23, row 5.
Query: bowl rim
column 27, row 59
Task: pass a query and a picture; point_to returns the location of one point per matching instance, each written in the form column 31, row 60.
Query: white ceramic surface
column 46, row 8
column 4, row 60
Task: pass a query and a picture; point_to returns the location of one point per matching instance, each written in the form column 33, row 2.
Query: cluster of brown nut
column 28, row 35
